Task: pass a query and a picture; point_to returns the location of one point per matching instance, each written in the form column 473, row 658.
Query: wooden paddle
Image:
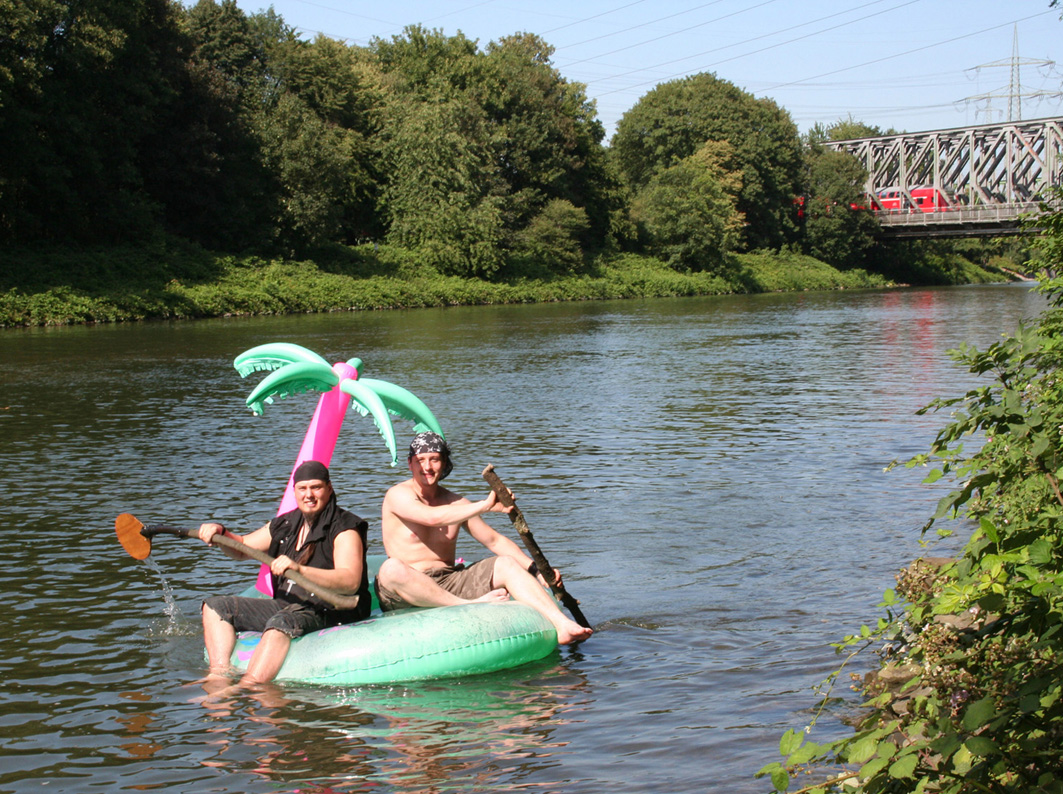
column 505, row 496
column 136, row 539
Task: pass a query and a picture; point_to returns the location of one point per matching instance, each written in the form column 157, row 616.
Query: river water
column 708, row 473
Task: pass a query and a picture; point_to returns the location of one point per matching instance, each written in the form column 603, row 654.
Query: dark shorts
column 260, row 614
column 464, row 581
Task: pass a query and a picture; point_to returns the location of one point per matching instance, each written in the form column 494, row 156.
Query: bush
column 977, row 648
column 553, row 237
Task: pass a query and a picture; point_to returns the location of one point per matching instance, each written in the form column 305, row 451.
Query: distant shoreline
column 174, row 281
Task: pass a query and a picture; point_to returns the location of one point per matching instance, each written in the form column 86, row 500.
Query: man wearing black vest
column 318, row 540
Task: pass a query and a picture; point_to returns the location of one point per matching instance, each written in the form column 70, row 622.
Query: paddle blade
column 128, row 529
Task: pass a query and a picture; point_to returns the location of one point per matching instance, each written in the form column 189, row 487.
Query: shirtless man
column 420, row 524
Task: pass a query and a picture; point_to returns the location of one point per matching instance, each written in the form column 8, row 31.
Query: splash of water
column 175, row 619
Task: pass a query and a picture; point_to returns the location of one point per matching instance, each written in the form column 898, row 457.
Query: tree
column 675, row 119
column 316, row 126
column 839, row 229
column 28, row 27
column 81, row 89
column 689, row 210
column 552, row 238
column 442, row 198
column 843, row 130
column 205, row 166
column 480, row 146
column 425, row 64
column 546, row 136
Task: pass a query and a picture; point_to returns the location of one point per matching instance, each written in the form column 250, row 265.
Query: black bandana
column 432, row 442
column 310, row 470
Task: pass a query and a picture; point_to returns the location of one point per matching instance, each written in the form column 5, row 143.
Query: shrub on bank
column 171, row 279
column 969, row 694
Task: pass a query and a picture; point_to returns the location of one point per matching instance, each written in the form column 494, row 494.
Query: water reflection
column 486, row 733
column 707, row 473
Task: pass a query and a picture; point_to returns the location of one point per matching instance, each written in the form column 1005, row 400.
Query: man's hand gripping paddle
column 505, row 496
column 136, row 540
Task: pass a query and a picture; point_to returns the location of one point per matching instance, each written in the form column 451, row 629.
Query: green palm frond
column 292, row 379
column 274, row 356
column 404, row 404
column 366, row 401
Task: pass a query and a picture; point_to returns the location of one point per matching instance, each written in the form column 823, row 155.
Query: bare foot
column 494, row 597
column 571, row 632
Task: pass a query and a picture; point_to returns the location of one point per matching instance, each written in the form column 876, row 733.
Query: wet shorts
column 260, row 614
column 464, row 581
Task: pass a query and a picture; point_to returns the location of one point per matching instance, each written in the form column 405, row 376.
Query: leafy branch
column 969, row 697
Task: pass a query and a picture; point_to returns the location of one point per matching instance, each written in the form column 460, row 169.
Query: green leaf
column 990, row 530
column 961, row 761
column 981, row 746
column 1040, row 551
column 904, row 767
column 946, row 745
column 780, row 779
column 862, row 749
column 790, row 741
column 805, row 753
column 1029, row 704
column 979, row 713
column 873, row 767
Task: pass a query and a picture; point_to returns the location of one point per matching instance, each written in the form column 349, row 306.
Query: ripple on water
column 707, row 474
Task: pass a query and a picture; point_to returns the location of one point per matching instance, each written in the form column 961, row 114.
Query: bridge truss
column 988, row 176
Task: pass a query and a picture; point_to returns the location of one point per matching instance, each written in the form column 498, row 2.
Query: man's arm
column 258, row 540
column 404, row 504
column 502, row 546
column 495, row 542
column 347, row 558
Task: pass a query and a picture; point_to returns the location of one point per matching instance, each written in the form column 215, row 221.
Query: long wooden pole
column 505, row 496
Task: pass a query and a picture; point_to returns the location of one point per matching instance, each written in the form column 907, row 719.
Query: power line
column 1014, row 92
column 909, row 52
column 666, row 35
column 766, row 35
column 588, row 19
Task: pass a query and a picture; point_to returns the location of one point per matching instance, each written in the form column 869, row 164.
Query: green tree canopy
column 442, row 199
column 426, row 63
column 689, row 209
column 843, row 130
column 839, row 229
column 545, row 133
column 675, row 119
column 80, row 84
column 497, row 136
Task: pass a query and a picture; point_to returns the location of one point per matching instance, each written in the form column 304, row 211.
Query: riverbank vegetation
column 969, row 693
column 112, row 284
column 206, row 161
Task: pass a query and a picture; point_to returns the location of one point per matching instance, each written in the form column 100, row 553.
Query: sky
column 908, row 65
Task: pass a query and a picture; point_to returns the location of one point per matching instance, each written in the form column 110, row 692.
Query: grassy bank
column 62, row 286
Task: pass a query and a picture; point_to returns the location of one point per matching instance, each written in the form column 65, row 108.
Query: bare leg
column 220, row 639
column 420, row 590
column 525, row 588
column 268, row 658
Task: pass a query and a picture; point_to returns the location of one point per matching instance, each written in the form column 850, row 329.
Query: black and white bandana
column 432, row 442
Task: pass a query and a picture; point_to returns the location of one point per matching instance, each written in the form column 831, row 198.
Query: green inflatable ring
column 413, row 645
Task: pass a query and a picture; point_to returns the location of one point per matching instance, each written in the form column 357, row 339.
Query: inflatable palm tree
column 296, row 369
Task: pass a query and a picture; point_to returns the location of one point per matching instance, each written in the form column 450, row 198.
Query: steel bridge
column 965, row 182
